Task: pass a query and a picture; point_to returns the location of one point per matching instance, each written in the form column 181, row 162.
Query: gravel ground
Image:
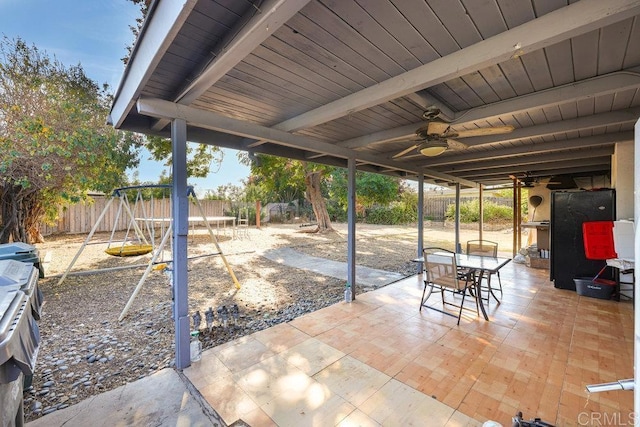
column 85, row 350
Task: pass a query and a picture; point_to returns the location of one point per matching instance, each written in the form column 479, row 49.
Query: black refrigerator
column 569, row 209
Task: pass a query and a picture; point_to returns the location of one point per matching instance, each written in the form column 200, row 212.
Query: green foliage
column 371, row 189
column 336, row 211
column 54, row 141
column 277, row 179
column 506, row 193
column 402, row 211
column 201, row 158
column 470, row 212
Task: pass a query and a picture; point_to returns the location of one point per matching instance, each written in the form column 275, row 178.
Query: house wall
column 622, row 179
column 543, row 211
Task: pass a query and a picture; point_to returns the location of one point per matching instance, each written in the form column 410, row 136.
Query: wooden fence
column 81, row 217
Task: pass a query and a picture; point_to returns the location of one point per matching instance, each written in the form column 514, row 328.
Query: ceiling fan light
column 433, row 149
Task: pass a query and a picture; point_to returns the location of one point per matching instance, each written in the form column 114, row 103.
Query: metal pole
column 515, row 216
column 420, row 218
column 636, row 286
column 518, row 229
column 458, row 249
column 480, row 212
column 180, row 201
column 84, row 244
column 215, row 242
column 154, row 258
column 351, row 226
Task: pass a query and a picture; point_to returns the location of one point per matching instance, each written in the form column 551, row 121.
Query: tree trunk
column 9, row 227
column 20, row 215
column 313, row 180
column 33, row 213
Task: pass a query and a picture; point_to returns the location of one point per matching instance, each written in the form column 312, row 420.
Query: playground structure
column 150, row 230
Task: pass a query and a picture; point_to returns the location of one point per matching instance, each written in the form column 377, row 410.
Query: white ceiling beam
column 571, row 125
column 162, row 109
column 569, row 21
column 539, row 147
column 160, row 28
column 539, row 166
column 250, row 34
column 572, row 92
column 532, row 159
column 580, row 170
column 271, row 16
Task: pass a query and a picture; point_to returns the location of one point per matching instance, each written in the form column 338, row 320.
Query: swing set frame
column 143, row 246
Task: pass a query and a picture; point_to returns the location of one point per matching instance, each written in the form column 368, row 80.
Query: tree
column 279, row 176
column 200, row 157
column 371, row 188
column 55, row 144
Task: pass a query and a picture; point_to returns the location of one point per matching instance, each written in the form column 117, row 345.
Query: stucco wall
column 622, row 179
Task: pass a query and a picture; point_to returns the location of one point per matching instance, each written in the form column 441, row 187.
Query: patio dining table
column 481, row 265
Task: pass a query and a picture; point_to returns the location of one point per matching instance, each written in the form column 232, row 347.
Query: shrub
column 470, row 212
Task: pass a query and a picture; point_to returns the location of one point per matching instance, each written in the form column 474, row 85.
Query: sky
column 95, row 34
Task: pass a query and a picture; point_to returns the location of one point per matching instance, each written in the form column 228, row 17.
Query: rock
column 48, row 384
column 36, row 405
column 49, row 410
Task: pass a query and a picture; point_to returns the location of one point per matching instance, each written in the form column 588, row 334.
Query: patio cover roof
column 328, row 80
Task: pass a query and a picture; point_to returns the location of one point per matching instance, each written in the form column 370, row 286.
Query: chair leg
column 461, row 306
column 476, row 299
column 425, row 295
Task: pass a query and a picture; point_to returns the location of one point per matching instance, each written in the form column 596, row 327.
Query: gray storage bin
column 595, row 288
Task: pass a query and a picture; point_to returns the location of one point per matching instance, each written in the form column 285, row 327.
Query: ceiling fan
column 437, row 135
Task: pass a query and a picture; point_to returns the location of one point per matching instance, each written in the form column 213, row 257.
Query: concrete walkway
column 365, row 276
column 165, row 398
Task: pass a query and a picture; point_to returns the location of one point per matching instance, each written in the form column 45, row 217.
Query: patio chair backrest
column 440, row 268
column 482, row 248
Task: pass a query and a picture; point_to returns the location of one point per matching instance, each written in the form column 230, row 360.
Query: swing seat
column 129, row 250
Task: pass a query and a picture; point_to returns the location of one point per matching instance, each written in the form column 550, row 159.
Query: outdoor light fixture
column 433, row 148
column 209, row 317
column 223, row 315
column 235, row 313
column 196, row 320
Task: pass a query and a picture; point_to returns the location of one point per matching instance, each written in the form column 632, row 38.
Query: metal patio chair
column 442, row 273
column 485, row 248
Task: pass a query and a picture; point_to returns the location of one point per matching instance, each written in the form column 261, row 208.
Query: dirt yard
column 85, row 350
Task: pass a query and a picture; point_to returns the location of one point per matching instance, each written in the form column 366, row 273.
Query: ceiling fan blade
column 436, row 127
column 497, row 130
column 405, row 151
column 456, row 145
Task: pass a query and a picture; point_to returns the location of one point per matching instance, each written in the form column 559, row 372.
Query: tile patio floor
column 380, row 361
